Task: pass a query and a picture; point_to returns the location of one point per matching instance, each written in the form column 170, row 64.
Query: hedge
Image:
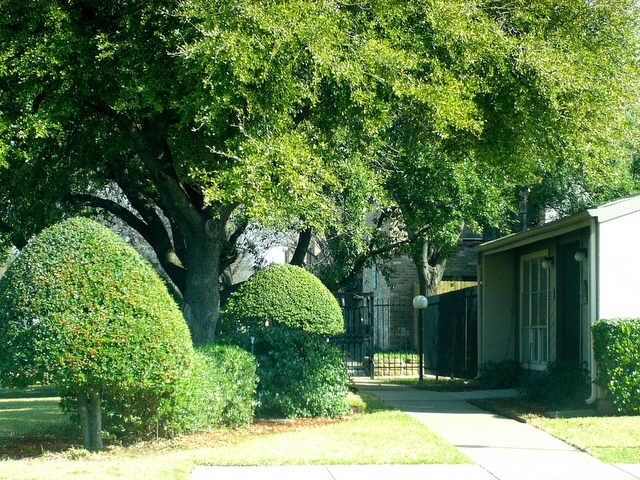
column 616, row 345
column 219, row 391
column 284, row 315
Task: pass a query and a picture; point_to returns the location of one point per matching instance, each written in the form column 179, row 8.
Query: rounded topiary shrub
column 287, row 296
column 284, row 315
column 83, row 311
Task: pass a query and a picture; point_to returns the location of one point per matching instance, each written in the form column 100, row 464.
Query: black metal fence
column 382, row 336
column 450, row 334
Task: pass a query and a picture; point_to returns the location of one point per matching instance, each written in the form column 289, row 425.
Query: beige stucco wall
column 498, row 313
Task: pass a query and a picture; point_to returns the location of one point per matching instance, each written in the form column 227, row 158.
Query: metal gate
column 381, row 336
column 357, row 340
column 450, row 334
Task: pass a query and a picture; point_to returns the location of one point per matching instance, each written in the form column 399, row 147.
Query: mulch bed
column 50, row 444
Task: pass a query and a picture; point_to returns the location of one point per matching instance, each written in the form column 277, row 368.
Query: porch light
column 580, row 255
column 546, row 263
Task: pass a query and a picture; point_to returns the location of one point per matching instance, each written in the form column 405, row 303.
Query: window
column 535, row 309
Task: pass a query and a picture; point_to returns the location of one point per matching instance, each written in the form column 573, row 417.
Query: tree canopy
column 207, row 115
column 497, row 97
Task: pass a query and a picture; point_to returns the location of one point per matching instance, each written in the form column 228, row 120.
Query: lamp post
column 420, row 302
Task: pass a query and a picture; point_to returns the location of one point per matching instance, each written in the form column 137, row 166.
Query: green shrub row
column 560, row 384
column 616, row 345
column 220, row 391
column 301, row 374
column 504, row 374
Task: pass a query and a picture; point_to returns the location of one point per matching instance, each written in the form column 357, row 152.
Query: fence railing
column 381, row 336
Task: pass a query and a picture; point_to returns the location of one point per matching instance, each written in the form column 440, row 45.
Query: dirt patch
column 517, row 409
column 34, row 446
column 57, row 445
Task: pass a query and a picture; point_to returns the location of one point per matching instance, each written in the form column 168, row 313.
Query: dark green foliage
column 505, row 374
column 288, row 296
column 560, row 385
column 301, row 374
column 289, row 314
column 616, row 344
column 219, row 392
column 81, row 310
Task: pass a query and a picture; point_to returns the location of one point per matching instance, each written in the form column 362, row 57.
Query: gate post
column 420, row 302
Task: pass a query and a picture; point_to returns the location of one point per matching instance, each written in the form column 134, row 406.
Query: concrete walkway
column 503, row 449
column 507, row 449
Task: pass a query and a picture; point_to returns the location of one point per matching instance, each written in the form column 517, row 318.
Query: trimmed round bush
column 287, row 296
column 83, row 311
column 219, row 391
column 284, row 315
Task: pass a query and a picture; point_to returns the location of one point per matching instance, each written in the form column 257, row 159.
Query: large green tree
column 209, row 114
column 497, row 97
column 203, row 114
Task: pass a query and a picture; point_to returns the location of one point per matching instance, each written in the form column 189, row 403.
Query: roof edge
column 543, row 232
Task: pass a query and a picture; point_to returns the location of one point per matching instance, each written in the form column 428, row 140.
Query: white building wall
column 619, row 267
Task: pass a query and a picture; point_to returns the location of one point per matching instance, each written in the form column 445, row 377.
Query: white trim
column 616, row 208
column 603, row 213
column 594, row 298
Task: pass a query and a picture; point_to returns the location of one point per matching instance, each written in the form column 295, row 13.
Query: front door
column 568, row 288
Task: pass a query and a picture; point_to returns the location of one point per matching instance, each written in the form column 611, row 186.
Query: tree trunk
column 202, row 290
column 430, row 267
column 90, row 413
column 304, row 239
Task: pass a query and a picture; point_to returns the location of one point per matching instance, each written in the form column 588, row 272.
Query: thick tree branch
column 152, row 232
column 112, row 207
column 158, row 236
column 229, row 253
column 150, row 142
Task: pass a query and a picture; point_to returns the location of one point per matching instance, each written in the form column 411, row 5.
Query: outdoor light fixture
column 420, row 302
column 580, row 255
column 547, row 262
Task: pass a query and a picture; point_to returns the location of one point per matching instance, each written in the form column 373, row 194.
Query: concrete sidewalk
column 345, row 472
column 507, row 449
column 503, row 449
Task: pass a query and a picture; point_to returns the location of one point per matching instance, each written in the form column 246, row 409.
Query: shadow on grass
column 36, row 391
column 37, row 445
column 32, row 423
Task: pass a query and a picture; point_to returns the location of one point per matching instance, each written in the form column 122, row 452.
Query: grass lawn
column 30, row 412
column 611, row 439
column 377, row 435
